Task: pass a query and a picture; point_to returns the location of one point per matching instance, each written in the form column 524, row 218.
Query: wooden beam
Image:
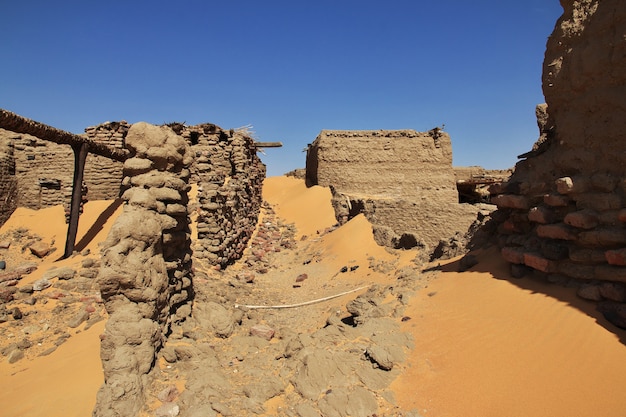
column 18, row 124
column 268, row 144
column 80, row 156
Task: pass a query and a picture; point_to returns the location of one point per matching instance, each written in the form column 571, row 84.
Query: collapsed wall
column 402, row 180
column 563, row 210
column 145, row 275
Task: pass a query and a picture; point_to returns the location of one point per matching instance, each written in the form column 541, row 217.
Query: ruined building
column 563, row 212
column 402, row 180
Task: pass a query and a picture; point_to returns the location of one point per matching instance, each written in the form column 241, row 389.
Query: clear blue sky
column 289, row 68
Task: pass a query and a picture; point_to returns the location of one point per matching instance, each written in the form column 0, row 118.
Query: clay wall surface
column 45, row 170
column 402, row 180
column 563, row 212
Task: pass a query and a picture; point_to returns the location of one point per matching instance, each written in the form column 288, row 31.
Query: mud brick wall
column 145, row 277
column 103, row 176
column 230, row 176
column 563, row 212
column 45, row 170
column 8, row 180
column 402, row 180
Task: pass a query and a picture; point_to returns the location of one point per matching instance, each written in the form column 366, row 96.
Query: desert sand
column 485, row 344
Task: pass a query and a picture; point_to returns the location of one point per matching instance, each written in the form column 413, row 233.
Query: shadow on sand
column 97, row 226
column 498, row 268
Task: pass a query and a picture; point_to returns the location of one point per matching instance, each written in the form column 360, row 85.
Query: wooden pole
column 80, row 155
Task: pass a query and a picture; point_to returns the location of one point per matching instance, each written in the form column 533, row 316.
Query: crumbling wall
column 8, row 180
column 402, row 180
column 230, row 177
column 563, row 211
column 145, row 277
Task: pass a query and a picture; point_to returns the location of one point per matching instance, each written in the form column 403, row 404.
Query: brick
column 586, row 272
column 610, row 273
column 556, row 200
column 598, row 201
column 583, row 219
column 616, row 256
column 539, row 263
column 568, row 185
column 511, row 201
column 541, row 215
column 587, row 256
column 603, row 237
column 512, row 255
column 556, row 231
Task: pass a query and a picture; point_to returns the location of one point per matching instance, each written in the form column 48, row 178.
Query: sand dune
column 485, row 345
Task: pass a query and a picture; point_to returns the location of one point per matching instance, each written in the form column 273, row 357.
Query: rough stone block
column 610, row 273
column 603, row 237
column 616, row 256
column 539, row 263
column 583, row 219
column 622, row 215
column 613, row 291
column 556, row 231
column 598, row 201
column 511, row 201
column 541, row 215
column 586, row 272
column 587, row 256
column 512, row 255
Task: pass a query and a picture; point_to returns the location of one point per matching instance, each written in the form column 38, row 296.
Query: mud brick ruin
column 562, row 212
column 401, row 180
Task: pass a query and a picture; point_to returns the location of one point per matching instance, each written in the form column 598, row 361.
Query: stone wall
column 145, row 277
column 402, row 180
column 230, row 177
column 8, row 180
column 563, row 211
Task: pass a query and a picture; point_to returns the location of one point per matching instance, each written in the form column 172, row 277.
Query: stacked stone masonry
column 145, row 277
column 563, row 211
column 230, row 177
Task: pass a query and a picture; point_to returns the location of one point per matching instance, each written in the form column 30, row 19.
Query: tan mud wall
column 563, row 211
column 402, row 180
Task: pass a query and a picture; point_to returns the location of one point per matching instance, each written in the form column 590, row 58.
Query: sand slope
column 491, row 347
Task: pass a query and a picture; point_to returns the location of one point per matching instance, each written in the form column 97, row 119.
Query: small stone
column 15, row 356
column 17, row 314
column 78, row 319
column 41, row 284
column 168, row 394
column 26, row 289
column 263, row 331
column 3, row 265
column 301, row 277
column 5, row 244
column 167, row 410
column 40, row 249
